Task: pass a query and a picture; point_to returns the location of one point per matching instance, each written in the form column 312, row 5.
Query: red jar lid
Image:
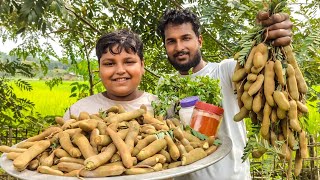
column 209, row 108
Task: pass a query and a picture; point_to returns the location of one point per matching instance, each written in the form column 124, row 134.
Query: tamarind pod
column 21, row 162
column 166, row 154
column 302, row 85
column 240, row 90
column 284, row 128
column 12, row 155
column 273, row 138
column 46, row 133
column 143, row 143
column 269, row 84
column 281, row 100
column 95, row 161
column 96, row 117
column 134, row 128
column 67, row 124
column 258, row 60
column 59, row 120
column 84, row 145
column 48, row 170
column 236, row 56
column 297, row 164
column 249, row 61
column 291, row 140
column 61, row 153
column 71, row 159
column 273, row 116
column 258, row 152
column 255, row 70
column 173, row 149
column 290, row 56
column 286, row 152
column 69, row 166
column 253, row 117
column 255, row 87
column 281, row 114
column 66, row 144
column 211, row 149
column 153, row 160
column 114, row 109
column 121, row 147
column 88, row 125
column 292, row 83
column 303, row 108
column 83, row 116
column 265, row 121
column 126, row 116
column 239, row 75
column 110, row 169
column 33, row 165
column 243, row 113
column 252, row 77
column 159, row 125
column 174, row 164
column 260, row 115
column 193, row 156
column 293, row 119
column 7, row 149
column 303, row 143
column 247, row 100
column 115, row 157
column 102, row 127
column 247, row 85
column 278, row 71
column 257, row 102
column 151, row 149
column 190, row 137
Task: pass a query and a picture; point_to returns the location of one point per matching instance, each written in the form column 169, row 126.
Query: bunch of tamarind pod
column 271, row 91
column 111, row 143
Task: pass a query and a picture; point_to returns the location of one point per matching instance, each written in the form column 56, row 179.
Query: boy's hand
column 279, row 27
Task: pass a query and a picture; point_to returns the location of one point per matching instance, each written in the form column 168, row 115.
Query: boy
column 121, row 66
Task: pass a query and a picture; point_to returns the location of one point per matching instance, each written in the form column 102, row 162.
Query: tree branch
column 83, row 20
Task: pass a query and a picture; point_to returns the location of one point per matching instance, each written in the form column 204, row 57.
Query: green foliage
column 172, row 88
column 79, row 90
column 53, row 82
column 14, row 111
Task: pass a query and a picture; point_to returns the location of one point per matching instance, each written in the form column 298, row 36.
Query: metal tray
column 219, row 154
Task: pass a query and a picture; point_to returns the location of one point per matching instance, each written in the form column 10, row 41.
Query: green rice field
column 48, row 102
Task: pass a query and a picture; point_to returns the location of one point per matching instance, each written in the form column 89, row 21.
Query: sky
column 9, row 45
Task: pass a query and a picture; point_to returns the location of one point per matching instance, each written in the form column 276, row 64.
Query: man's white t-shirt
column 93, row 104
column 230, row 167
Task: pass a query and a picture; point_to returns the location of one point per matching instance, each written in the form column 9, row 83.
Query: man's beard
column 186, row 66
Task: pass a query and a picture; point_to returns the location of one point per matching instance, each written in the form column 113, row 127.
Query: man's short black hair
column 178, row 17
column 123, row 39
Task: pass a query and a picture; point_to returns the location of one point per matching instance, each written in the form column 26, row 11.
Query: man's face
column 182, row 46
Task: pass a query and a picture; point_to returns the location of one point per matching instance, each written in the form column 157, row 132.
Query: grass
column 48, row 102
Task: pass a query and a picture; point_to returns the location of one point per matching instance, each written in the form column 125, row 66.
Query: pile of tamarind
column 112, row 143
column 271, row 91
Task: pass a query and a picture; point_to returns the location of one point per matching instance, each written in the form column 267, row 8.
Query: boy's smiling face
column 121, row 74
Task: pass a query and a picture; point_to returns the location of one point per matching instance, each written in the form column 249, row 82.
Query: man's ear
column 142, row 66
column 200, row 40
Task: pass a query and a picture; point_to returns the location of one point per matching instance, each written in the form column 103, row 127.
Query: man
column 182, row 41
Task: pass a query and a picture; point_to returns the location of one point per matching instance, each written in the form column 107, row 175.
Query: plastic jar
column 187, row 105
column 206, row 118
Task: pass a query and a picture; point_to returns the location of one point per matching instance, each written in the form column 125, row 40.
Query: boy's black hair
column 123, row 39
column 178, row 17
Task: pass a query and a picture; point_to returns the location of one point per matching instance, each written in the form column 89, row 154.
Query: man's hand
column 278, row 27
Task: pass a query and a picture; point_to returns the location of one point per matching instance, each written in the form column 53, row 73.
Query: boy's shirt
column 93, row 104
